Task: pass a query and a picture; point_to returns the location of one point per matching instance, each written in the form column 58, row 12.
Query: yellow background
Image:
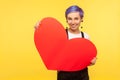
column 19, row 59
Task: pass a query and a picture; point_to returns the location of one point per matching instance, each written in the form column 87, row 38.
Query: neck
column 77, row 31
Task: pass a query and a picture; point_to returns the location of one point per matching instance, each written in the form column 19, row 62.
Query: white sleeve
column 86, row 36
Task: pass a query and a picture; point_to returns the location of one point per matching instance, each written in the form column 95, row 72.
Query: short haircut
column 74, row 8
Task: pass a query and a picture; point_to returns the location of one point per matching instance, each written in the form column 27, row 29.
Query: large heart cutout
column 59, row 53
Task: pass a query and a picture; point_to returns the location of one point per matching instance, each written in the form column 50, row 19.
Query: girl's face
column 74, row 20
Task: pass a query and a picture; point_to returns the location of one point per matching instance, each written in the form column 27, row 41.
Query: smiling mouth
column 73, row 26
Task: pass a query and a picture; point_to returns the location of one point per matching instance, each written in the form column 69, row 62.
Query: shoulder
column 86, row 36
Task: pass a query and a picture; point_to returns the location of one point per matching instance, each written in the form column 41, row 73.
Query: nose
column 73, row 22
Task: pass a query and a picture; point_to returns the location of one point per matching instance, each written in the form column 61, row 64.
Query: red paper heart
column 59, row 53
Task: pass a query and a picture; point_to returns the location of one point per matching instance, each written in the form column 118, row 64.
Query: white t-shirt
column 71, row 35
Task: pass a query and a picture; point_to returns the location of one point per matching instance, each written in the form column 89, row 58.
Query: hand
column 93, row 61
column 37, row 25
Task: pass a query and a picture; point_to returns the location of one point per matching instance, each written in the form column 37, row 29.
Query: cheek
column 78, row 22
column 69, row 22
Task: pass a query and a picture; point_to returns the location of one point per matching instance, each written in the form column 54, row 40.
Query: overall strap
column 66, row 31
column 82, row 34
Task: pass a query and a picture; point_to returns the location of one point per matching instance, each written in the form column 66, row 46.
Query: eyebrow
column 71, row 18
column 76, row 18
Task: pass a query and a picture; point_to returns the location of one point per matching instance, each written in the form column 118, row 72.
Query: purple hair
column 74, row 8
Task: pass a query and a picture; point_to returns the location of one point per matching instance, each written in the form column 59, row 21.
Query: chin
column 73, row 29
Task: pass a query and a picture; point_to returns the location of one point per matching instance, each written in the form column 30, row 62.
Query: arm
column 93, row 61
column 37, row 24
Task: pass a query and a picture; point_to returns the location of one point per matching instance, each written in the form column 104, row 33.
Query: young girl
column 74, row 16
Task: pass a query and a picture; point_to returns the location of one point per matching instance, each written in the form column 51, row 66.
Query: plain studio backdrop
column 19, row 58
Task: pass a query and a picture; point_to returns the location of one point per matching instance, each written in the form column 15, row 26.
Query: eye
column 69, row 18
column 76, row 18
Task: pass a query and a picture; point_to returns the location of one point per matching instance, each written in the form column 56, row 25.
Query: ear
column 81, row 20
column 66, row 21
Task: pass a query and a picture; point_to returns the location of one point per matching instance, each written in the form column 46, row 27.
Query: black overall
column 73, row 75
